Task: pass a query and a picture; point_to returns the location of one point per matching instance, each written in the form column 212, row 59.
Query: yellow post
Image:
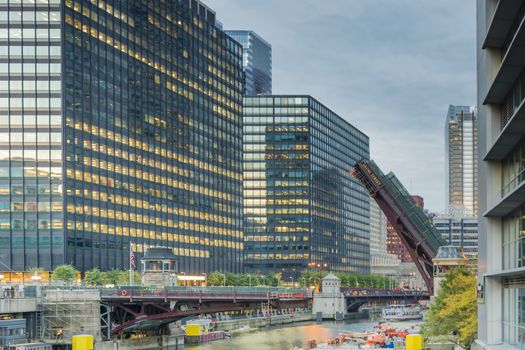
column 193, row 330
column 414, row 342
column 82, row 342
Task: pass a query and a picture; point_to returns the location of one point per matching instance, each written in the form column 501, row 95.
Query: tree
column 111, row 276
column 454, row 311
column 66, row 273
column 94, row 277
column 36, row 270
column 123, row 277
column 215, row 279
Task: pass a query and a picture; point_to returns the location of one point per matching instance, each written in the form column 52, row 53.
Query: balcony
column 513, row 199
column 510, row 136
column 510, row 68
column 501, row 23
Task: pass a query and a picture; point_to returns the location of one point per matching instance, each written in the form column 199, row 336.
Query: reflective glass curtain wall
column 461, row 151
column 257, row 61
column 31, row 202
column 153, row 134
column 150, row 140
column 301, row 205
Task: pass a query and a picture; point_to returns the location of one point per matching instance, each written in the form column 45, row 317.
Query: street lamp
column 291, row 277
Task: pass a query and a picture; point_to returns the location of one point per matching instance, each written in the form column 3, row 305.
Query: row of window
column 131, row 142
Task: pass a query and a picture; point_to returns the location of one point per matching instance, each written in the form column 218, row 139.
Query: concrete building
column 459, row 231
column 330, row 302
column 301, row 205
column 256, row 61
column 461, row 157
column 381, row 262
column 120, row 126
column 501, row 115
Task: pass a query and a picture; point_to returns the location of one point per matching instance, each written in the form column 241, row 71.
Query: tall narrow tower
column 461, row 143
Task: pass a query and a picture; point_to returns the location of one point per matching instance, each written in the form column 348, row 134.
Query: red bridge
column 136, row 308
column 413, row 227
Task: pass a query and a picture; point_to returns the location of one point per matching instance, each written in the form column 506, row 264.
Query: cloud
column 391, row 68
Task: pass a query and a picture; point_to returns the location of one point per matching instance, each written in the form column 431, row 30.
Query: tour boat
column 402, row 313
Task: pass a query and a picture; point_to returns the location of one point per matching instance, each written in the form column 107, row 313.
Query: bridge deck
column 208, row 294
column 409, row 221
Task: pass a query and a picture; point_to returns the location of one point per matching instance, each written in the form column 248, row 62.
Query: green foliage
column 454, row 309
column 66, row 273
column 36, row 270
column 215, row 279
column 254, row 280
column 112, row 276
column 94, row 277
column 311, row 278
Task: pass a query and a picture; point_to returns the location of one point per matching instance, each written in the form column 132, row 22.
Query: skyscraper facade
column 381, row 262
column 256, row 61
column 120, row 127
column 377, row 228
column 459, row 232
column 301, row 205
column 501, row 92
column 461, row 152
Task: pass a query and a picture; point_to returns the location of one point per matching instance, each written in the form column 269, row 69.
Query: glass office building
column 300, row 203
column 120, row 126
column 461, row 158
column 256, row 61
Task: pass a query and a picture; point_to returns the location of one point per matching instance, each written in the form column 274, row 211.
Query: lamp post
column 291, row 277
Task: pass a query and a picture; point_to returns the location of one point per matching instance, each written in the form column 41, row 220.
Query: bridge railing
column 204, row 292
column 381, row 292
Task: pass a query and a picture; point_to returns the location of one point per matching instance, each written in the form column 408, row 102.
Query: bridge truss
column 409, row 221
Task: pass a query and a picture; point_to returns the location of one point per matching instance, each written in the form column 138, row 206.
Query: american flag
column 131, row 259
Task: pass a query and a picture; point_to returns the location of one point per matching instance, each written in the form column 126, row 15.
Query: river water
column 285, row 338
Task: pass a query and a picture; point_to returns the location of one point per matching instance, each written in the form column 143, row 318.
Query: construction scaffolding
column 68, row 312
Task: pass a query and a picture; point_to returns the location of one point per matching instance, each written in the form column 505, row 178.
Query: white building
column 501, row 128
column 330, row 302
column 459, row 231
column 381, row 262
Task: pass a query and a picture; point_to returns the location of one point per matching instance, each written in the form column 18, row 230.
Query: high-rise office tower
column 120, row 127
column 381, row 262
column 461, row 152
column 256, row 61
column 459, row 231
column 301, row 205
column 501, row 111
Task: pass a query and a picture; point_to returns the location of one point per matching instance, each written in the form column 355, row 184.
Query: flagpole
column 130, row 269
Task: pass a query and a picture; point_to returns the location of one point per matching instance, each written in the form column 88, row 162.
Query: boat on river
column 402, row 312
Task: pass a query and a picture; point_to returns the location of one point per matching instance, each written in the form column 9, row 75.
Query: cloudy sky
column 389, row 67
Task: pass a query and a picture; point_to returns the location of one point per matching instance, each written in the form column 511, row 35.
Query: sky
column 389, row 67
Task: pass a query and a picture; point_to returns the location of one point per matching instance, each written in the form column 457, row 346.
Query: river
column 285, row 338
